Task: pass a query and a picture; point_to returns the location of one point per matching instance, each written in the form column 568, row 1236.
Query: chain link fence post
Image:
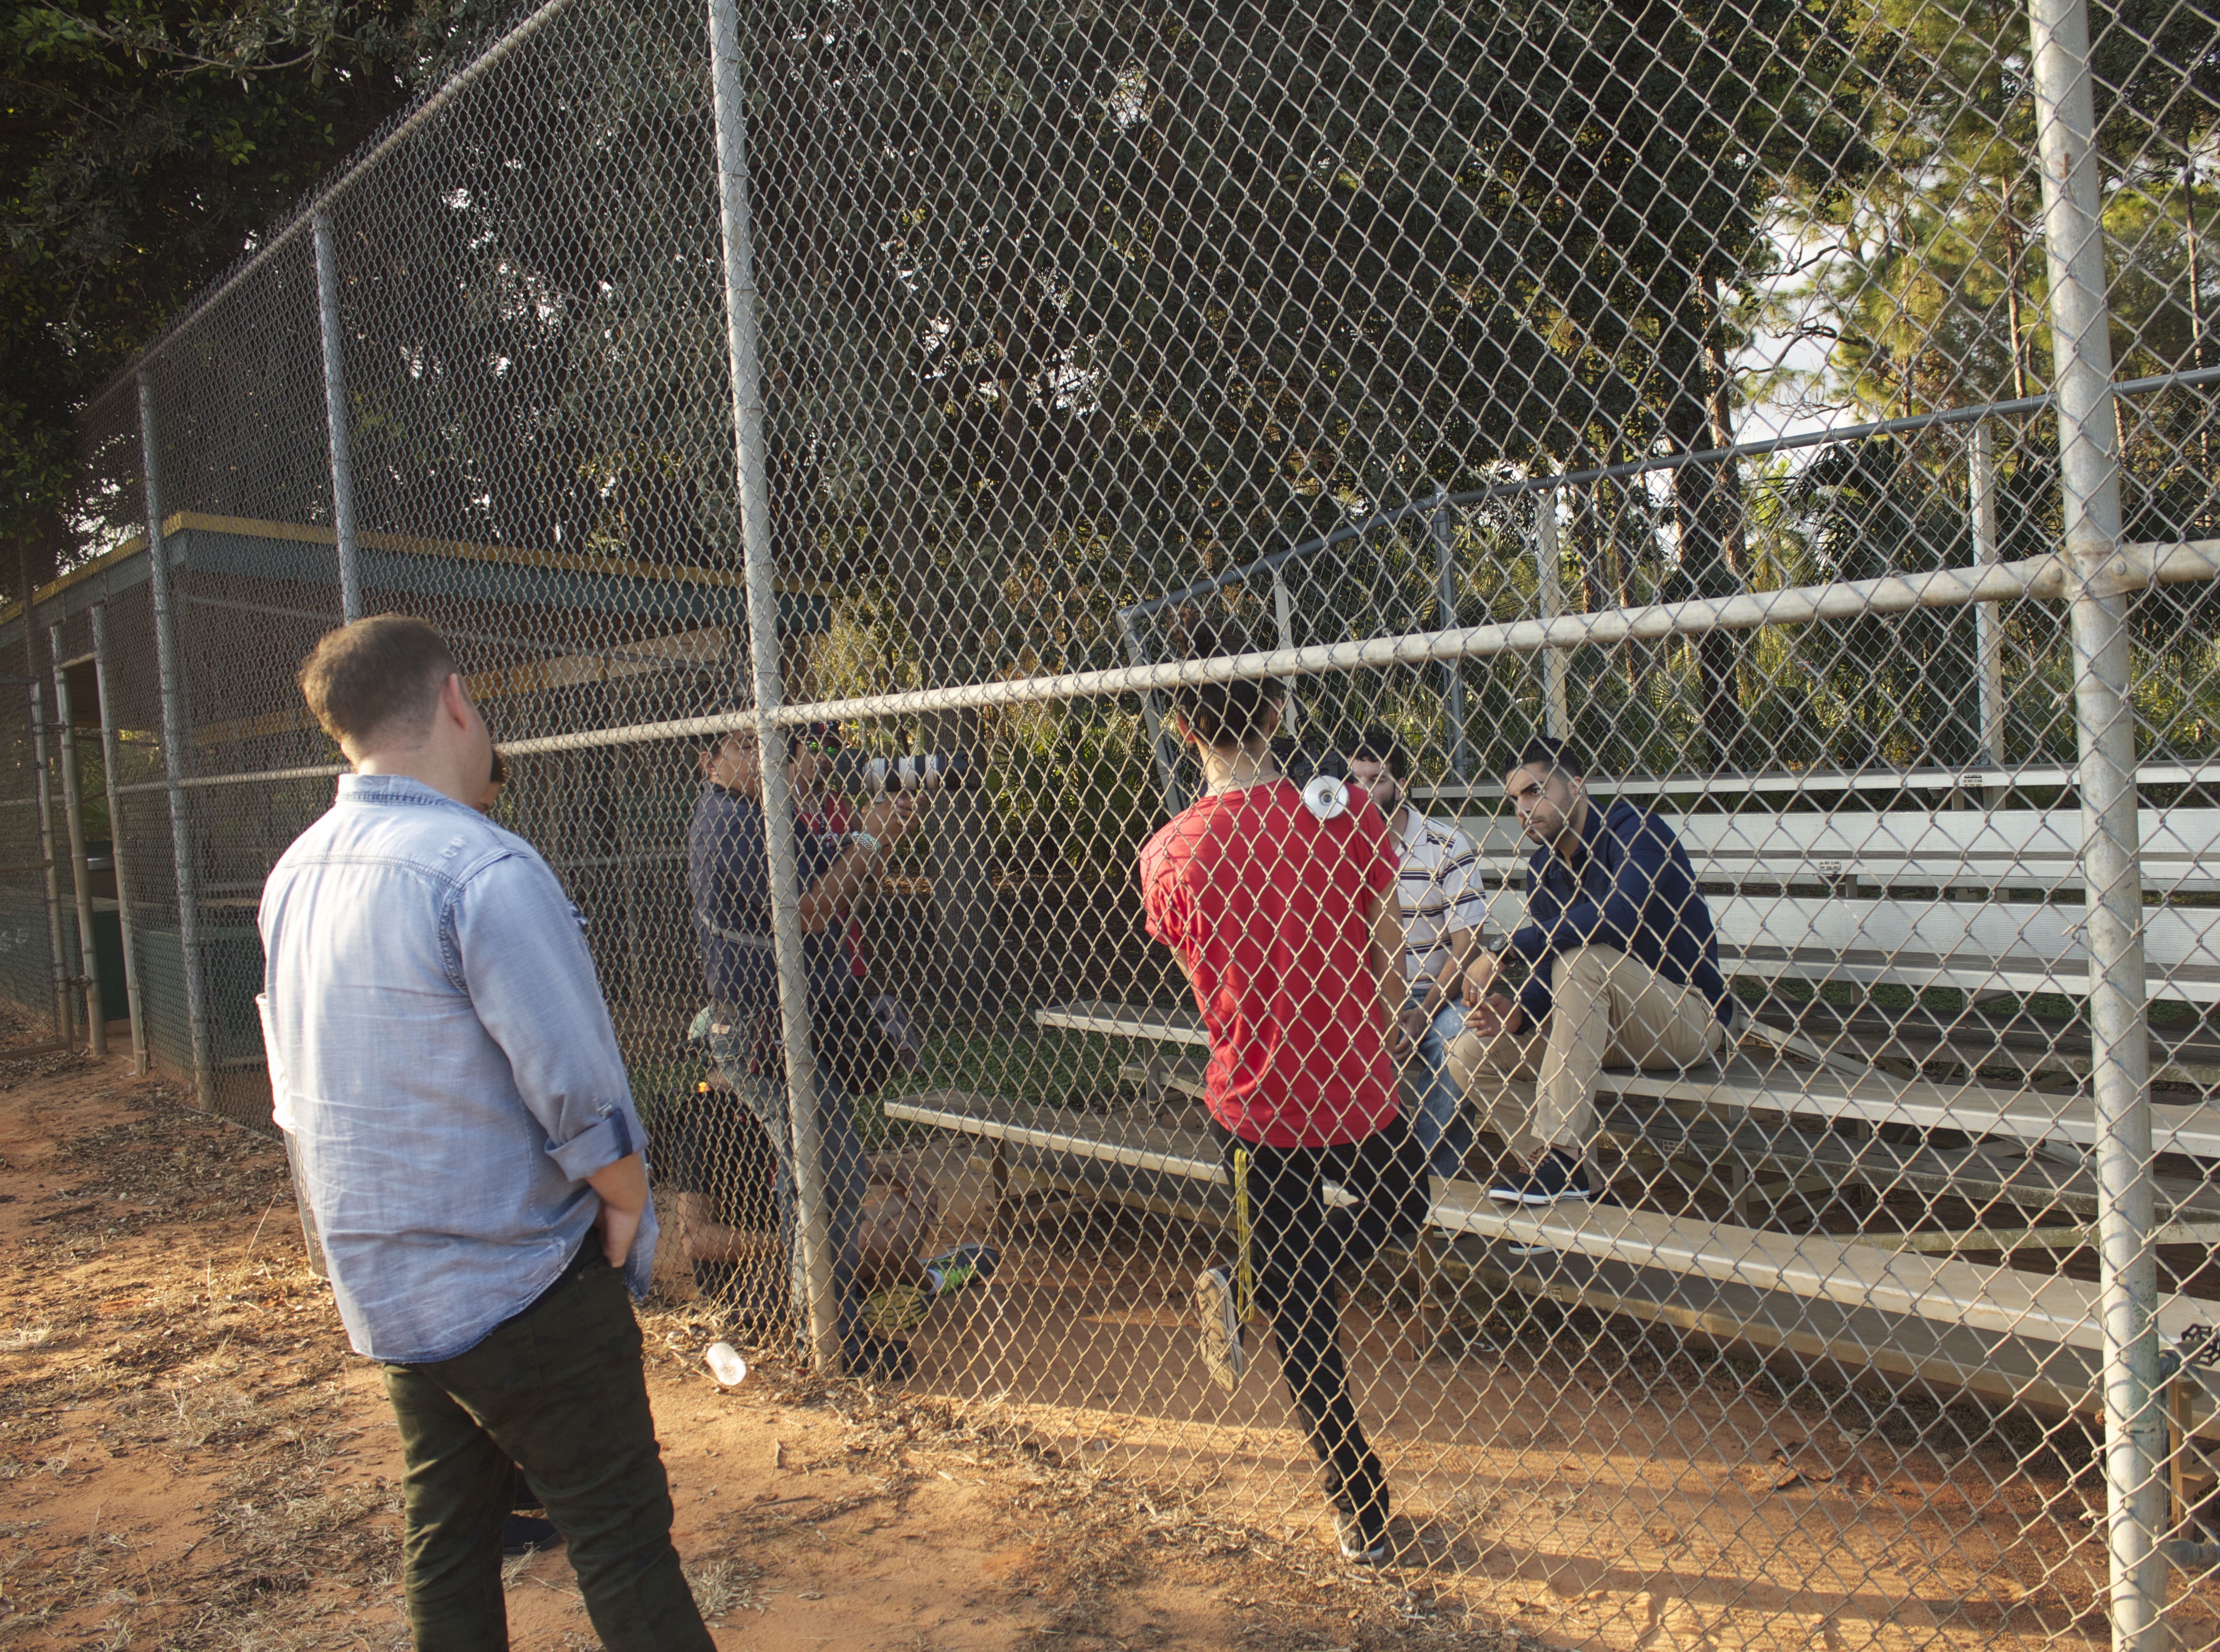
column 88, row 951
column 1549, row 572
column 112, row 763
column 2134, row 1427
column 1452, row 671
column 170, row 674
column 64, row 1028
column 1164, row 750
column 812, row 1222
column 1988, row 622
column 335, row 415
column 45, row 837
column 1283, row 623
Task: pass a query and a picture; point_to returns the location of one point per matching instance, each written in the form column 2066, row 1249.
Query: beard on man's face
column 1551, row 819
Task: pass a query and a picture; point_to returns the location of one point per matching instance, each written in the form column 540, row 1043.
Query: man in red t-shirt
column 1284, row 918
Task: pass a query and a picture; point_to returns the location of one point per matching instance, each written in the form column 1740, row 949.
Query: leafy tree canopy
column 141, row 146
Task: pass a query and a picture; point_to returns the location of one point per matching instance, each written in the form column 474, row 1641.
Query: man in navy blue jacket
column 1623, row 969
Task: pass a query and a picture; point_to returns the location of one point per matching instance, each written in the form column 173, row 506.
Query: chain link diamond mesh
column 1690, row 384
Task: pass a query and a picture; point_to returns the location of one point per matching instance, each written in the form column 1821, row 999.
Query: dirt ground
column 190, row 1458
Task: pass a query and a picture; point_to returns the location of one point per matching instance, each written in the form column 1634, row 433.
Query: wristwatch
column 871, row 844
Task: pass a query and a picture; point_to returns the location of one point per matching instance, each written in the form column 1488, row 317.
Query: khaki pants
column 1611, row 1010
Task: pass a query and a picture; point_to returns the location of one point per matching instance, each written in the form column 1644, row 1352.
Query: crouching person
column 1284, row 919
column 1624, row 971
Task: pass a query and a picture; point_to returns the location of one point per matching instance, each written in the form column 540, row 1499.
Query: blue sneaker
column 1557, row 1178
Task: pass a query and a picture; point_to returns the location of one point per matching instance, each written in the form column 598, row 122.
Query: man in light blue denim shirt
column 465, row 1138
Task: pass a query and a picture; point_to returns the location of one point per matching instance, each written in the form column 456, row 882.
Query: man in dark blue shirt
column 728, row 877
column 1623, row 970
column 728, row 874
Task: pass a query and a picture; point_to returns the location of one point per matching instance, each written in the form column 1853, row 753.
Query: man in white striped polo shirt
column 1438, row 889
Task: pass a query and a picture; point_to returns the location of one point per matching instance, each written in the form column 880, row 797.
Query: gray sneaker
column 1365, row 1548
column 1223, row 1356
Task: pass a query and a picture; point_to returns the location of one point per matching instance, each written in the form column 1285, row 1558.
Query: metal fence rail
column 1806, row 412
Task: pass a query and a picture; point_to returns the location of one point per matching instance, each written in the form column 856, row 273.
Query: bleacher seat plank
column 2054, row 1307
column 1974, row 1037
column 2043, row 777
column 1149, row 1023
column 1761, row 1285
column 1140, row 1166
column 1983, row 1173
column 1822, row 1020
column 1943, row 848
column 2016, row 1337
column 1976, row 947
column 1979, row 1174
column 1874, row 1097
column 1055, row 1130
column 1879, row 1097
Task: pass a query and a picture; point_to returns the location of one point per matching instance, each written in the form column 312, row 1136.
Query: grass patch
column 1055, row 1068
column 722, row 1585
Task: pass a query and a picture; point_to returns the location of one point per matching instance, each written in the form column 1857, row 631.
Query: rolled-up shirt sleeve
column 520, row 953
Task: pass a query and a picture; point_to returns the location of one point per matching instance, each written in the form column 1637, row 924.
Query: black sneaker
column 1556, row 1179
column 1223, row 1356
column 524, row 1534
column 884, row 1359
column 1364, row 1542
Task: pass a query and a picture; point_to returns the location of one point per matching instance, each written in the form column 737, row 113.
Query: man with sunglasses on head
column 1623, row 970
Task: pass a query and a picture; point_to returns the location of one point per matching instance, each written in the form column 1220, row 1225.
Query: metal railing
column 943, row 379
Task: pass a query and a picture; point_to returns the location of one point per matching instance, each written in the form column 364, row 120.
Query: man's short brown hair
column 1222, row 714
column 379, row 674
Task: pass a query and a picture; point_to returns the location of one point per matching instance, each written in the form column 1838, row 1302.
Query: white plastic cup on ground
column 727, row 1366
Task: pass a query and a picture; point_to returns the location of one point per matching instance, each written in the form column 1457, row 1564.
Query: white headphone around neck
column 1326, row 797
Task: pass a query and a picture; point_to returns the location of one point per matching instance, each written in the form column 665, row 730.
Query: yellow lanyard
column 1244, row 1275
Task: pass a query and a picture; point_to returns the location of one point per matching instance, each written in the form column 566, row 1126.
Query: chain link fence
column 1803, row 412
